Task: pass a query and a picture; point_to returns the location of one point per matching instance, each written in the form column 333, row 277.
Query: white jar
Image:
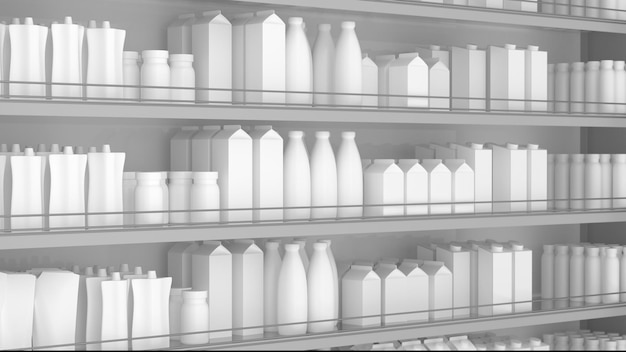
column 592, row 82
column 561, row 88
column 577, row 181
column 131, row 75
column 155, row 72
column 593, row 181
column 148, row 197
column 610, row 277
column 348, row 75
column 182, row 75
column 593, row 274
column 194, row 317
column 176, row 303
column 607, row 87
column 205, row 195
column 577, row 87
column 620, row 86
column 179, row 196
column 561, row 181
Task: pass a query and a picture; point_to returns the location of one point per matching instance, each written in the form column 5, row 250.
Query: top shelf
column 455, row 13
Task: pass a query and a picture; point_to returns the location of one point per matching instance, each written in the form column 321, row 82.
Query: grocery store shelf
column 412, row 331
column 119, row 236
column 455, row 13
column 19, row 109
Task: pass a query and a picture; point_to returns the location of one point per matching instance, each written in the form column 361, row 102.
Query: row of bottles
column 605, row 9
column 586, row 181
column 583, row 273
column 585, row 340
column 590, row 88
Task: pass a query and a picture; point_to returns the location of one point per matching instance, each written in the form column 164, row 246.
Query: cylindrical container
column 550, row 188
column 166, row 198
column 547, row 275
column 548, row 339
column 333, row 264
column 182, row 75
column 323, row 178
column 561, row 342
column 561, row 181
column 577, row 88
column 619, row 180
column 607, row 180
column 620, row 86
column 179, row 196
column 551, row 78
column 593, row 181
column 292, row 301
column 303, row 254
column 296, row 178
column 205, row 195
column 593, row 273
column 132, row 77
column 607, row 87
column 129, row 183
column 578, row 343
column 321, row 296
column 299, row 63
column 610, row 277
column 561, row 88
column 148, row 197
column 607, row 9
column 592, row 344
column 592, row 86
column 105, row 48
column 323, row 66
column 577, row 181
column 349, row 177
column 561, row 276
column 176, row 303
column 577, row 275
column 155, row 72
column 194, row 318
column 348, row 75
column 592, row 8
column 28, row 59
column 67, row 57
column 272, row 264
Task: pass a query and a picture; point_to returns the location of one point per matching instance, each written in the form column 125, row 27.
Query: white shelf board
column 57, row 109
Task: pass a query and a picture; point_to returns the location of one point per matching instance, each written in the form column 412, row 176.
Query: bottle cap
column 620, row 158
column 605, row 158
column 577, row 157
column 68, row 150
column 455, row 247
column 562, row 67
column 152, row 274
column 578, row 66
column 205, row 175
column 180, row 175
column 124, row 268
column 41, row 148
column 181, row 58
column 102, row 272
column 92, row 24
column 195, row 295
column 592, row 251
column 592, row 158
column 15, row 21
column 29, row 152
column 322, row 134
column 76, row 269
column 611, row 252
column 548, row 248
column 434, row 47
column 496, row 248
column 130, row 55
column 471, row 47
column 296, row 134
column 89, row 271
column 512, row 146
column 115, row 276
column 578, row 250
column 532, row 146
column 606, row 63
column 155, row 54
column 516, row 246
column 477, row 146
column 594, row 65
column 510, row 46
column 15, row 148
column 28, row 21
column 348, row 24
column 106, row 148
column 532, row 48
column 352, row 134
column 138, row 271
column 147, row 176
column 106, row 24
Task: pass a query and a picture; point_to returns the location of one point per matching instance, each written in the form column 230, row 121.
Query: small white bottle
column 176, row 303
column 561, row 88
column 607, row 87
column 348, row 75
column 132, row 77
column 610, row 277
column 350, row 177
column 155, row 72
column 296, row 178
column 561, row 181
column 561, row 276
column 577, row 181
column 577, row 88
column 67, row 58
column 593, row 273
column 299, row 63
column 205, row 195
column 620, row 86
column 148, row 198
column 179, row 196
column 272, row 264
column 619, row 180
column 607, row 180
column 577, row 275
column 182, row 75
column 592, row 86
column 194, row 318
column 547, row 274
column 291, row 293
column 323, row 66
column 593, row 181
column 323, row 178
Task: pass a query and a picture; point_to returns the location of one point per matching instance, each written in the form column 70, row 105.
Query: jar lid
column 578, row 65
column 563, row 66
column 593, row 64
column 296, row 134
column 194, row 294
column 577, row 157
column 605, row 158
column 619, row 158
column 471, row 47
column 205, row 175
column 130, row 55
column 592, row 251
column 179, row 175
column 606, row 63
column 593, row 158
column 155, row 54
column 348, row 134
column 181, row 58
column 348, row 24
column 322, row 134
column 148, row 176
column 532, row 48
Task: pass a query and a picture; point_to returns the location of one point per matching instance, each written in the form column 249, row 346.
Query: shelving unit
column 579, row 134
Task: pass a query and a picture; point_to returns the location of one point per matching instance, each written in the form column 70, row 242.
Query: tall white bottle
column 592, row 86
column 272, row 264
column 323, row 178
column 106, row 172
column 115, row 313
column 131, row 75
column 619, row 180
column 349, row 177
column 593, row 181
column 94, row 309
column 606, row 89
column 547, row 275
column 323, row 66
column 26, row 193
column 205, row 195
column 606, row 182
column 561, row 181
column 182, row 75
column 348, row 75
column 292, row 294
column 577, row 275
column 28, row 57
column 577, row 181
column 561, row 276
column 67, row 59
column 593, row 274
column 333, row 265
column 299, row 63
column 620, row 86
column 610, row 277
column 297, row 178
column 67, row 188
column 105, row 48
column 151, row 312
column 321, row 291
column 577, row 87
column 561, row 88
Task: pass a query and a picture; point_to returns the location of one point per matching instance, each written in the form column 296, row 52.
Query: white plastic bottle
column 333, row 264
column 323, row 66
column 593, row 274
column 205, row 195
column 149, row 198
column 320, row 293
column 606, row 172
column 292, row 299
column 577, row 275
column 105, row 48
column 67, row 188
column 561, row 88
column 67, row 59
column 323, row 178
column 349, row 177
column 28, row 57
column 607, row 87
column 179, row 196
column 296, row 178
column 593, row 181
column 619, row 180
column 176, row 303
column 194, row 318
column 150, row 312
column 304, row 256
column 299, row 63
column 131, row 74
column 561, row 181
column 592, row 86
column 610, row 277
column 94, row 309
column 272, row 264
column 620, row 86
column 547, row 275
column 348, row 75
column 577, row 181
column 106, row 171
column 26, row 191
column 577, row 87
column 182, row 75
column 561, row 276
column 114, row 313
column 155, row 72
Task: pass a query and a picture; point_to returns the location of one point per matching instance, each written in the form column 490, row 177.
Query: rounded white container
column 299, row 63
column 620, row 86
column 272, row 264
column 323, row 178
column 607, row 87
column 320, row 291
column 607, row 9
column 561, row 181
column 176, row 303
column 333, row 264
column 148, row 197
column 561, row 275
column 105, row 47
column 547, row 272
column 348, row 75
column 577, row 87
column 205, row 195
column 179, row 196
column 607, row 180
column 577, row 274
column 619, row 180
column 194, row 317
column 155, row 72
column 577, row 181
column 323, row 65
column 349, row 177
column 593, row 274
column 593, row 181
column 610, row 277
column 131, row 72
column 67, row 56
column 304, row 256
column 292, row 299
column 561, row 88
column 182, row 75
column 296, row 178
column 592, row 86
column 592, row 8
